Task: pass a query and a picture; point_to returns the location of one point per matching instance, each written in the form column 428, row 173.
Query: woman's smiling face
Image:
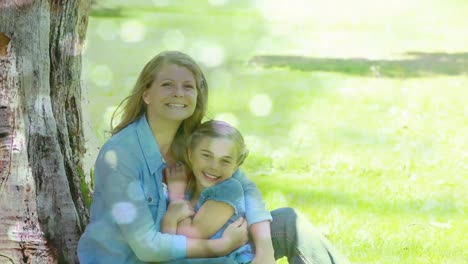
column 172, row 95
column 213, row 159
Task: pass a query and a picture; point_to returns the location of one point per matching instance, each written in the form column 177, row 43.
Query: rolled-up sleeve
column 120, row 188
column 255, row 209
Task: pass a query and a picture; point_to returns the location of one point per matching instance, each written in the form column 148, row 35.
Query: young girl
column 215, row 151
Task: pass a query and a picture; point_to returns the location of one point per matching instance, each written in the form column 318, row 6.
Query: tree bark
column 43, row 192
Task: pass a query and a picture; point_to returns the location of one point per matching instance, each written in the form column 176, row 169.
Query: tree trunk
column 43, row 192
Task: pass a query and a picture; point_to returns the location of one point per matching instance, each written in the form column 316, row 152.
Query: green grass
column 357, row 118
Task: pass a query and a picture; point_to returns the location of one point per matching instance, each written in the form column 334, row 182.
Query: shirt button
column 150, row 199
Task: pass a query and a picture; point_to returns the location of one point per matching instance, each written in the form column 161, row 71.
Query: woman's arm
column 123, row 199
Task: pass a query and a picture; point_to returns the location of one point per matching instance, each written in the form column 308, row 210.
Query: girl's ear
column 189, row 155
column 146, row 97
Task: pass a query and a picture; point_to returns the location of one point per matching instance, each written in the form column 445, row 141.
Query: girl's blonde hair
column 133, row 105
column 214, row 129
column 217, row 129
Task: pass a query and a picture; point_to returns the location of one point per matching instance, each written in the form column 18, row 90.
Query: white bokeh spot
column 124, row 212
column 218, row 2
column 111, row 158
column 101, row 75
column 135, row 192
column 174, row 40
column 161, row 3
column 228, row 118
column 260, row 105
column 210, row 54
column 132, row 31
column 108, row 115
column 107, row 29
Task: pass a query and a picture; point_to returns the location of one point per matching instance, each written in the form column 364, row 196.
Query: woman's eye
column 189, row 86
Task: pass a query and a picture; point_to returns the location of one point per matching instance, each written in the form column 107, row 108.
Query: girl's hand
column 235, row 235
column 178, row 210
column 176, row 178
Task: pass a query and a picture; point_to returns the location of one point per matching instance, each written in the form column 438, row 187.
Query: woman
column 167, row 103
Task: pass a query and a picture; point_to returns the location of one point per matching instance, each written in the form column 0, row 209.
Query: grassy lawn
column 354, row 114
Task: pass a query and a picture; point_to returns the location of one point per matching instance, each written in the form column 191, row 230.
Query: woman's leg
column 296, row 238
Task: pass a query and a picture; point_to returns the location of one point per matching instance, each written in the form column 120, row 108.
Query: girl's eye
column 166, row 84
column 226, row 162
column 206, row 155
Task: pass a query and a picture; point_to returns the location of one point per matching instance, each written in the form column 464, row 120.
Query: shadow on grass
column 298, row 193
column 419, row 64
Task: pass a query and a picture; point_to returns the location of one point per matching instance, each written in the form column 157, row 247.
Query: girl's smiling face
column 213, row 159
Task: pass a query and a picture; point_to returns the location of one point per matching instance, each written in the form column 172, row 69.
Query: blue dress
column 231, row 192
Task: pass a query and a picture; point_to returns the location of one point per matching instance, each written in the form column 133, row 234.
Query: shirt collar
column 148, row 144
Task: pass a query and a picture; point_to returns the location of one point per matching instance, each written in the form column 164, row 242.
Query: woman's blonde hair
column 133, row 105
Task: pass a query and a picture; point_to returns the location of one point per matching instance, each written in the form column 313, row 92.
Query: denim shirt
column 129, row 204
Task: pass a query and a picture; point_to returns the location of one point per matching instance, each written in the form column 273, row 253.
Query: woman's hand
column 176, row 178
column 235, row 235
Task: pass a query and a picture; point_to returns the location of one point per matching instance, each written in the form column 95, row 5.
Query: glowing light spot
column 260, row 105
column 14, row 231
column 279, row 158
column 24, row 232
column 254, row 143
column 210, row 54
column 108, row 115
column 221, row 79
column 132, row 31
column 174, row 40
column 135, row 192
column 107, row 29
column 302, row 135
column 161, row 3
column 218, row 2
column 277, row 198
column 292, row 11
column 101, row 75
column 111, row 158
column 228, row 117
column 124, row 212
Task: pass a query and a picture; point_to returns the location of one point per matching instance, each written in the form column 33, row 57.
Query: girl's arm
column 261, row 235
column 259, row 219
column 207, row 221
column 255, row 209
